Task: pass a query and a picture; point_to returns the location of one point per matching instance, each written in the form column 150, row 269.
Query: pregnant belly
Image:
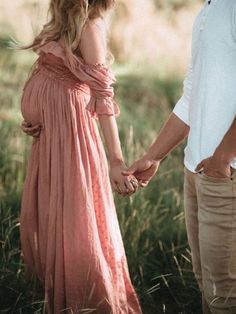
column 31, row 102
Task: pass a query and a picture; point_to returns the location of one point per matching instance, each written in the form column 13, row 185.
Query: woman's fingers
column 26, row 124
column 35, row 134
column 134, row 182
column 122, row 188
column 31, row 130
column 132, row 185
column 32, row 133
column 117, row 187
column 114, row 186
column 129, row 187
column 125, row 186
column 27, row 128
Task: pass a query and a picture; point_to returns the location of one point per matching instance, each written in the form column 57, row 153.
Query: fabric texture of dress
column 70, row 235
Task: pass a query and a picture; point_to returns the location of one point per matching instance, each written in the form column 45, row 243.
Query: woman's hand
column 124, row 185
column 31, row 130
column 143, row 169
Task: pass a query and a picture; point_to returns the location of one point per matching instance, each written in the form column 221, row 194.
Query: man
column 206, row 115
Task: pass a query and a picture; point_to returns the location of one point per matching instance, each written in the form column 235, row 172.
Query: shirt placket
column 209, row 5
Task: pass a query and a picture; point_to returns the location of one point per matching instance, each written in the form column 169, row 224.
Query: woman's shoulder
column 95, row 31
column 95, row 27
column 93, row 43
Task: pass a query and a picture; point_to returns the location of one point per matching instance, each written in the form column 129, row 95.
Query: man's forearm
column 172, row 134
column 226, row 151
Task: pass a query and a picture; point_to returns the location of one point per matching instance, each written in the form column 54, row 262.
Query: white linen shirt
column 208, row 104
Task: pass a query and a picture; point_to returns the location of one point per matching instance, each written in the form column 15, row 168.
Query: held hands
column 124, row 185
column 143, row 169
column 126, row 181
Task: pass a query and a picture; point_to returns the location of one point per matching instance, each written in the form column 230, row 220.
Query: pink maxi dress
column 70, row 235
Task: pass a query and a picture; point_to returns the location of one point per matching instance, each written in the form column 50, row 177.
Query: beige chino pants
column 210, row 212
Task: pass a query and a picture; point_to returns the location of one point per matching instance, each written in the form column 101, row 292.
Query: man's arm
column 226, row 151
column 176, row 128
column 173, row 133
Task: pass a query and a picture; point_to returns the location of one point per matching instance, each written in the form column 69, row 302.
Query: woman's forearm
column 172, row 134
column 111, row 136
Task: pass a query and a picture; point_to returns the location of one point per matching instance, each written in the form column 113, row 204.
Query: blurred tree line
column 172, row 4
column 153, row 31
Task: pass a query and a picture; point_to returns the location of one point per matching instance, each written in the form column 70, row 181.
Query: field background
column 150, row 40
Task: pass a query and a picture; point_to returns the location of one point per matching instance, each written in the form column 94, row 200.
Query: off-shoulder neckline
column 77, row 57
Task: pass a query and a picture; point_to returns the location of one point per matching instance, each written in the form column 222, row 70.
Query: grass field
column 152, row 221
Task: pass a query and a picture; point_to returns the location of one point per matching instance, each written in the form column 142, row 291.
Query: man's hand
column 215, row 167
column 143, row 169
column 218, row 165
column 173, row 133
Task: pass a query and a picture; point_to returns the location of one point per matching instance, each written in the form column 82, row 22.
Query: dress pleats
column 70, row 234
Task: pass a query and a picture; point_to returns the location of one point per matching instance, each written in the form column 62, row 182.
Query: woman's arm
column 115, row 156
column 93, row 49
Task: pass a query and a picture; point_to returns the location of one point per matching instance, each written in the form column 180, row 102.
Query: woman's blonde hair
column 67, row 18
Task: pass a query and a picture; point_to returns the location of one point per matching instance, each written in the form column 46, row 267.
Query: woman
column 69, row 230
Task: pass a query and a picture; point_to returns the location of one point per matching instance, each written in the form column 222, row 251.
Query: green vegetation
column 152, row 221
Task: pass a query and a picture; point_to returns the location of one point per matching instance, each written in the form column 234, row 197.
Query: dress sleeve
column 100, row 79
column 96, row 74
column 90, row 69
column 181, row 109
